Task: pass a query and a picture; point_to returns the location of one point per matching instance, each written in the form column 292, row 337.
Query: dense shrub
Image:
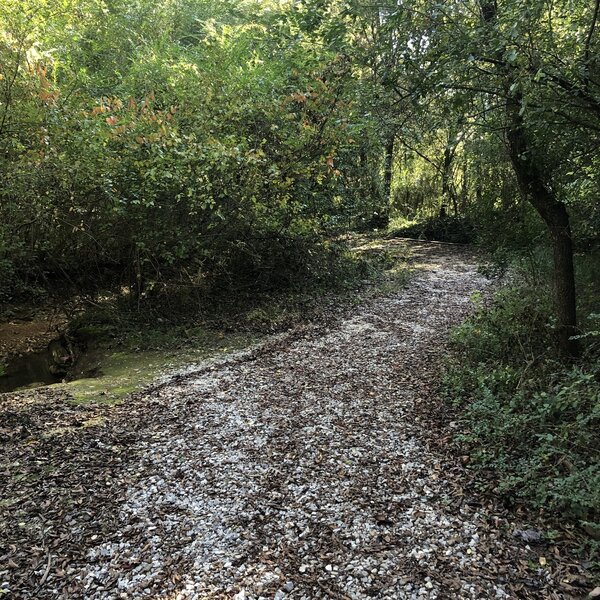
column 531, row 419
column 195, row 148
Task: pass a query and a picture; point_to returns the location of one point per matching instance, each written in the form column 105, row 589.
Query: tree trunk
column 565, row 290
column 389, row 164
column 448, row 194
column 556, row 217
column 464, row 190
column 554, row 213
column 387, row 175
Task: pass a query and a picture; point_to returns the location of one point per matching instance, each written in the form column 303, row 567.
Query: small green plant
column 457, row 230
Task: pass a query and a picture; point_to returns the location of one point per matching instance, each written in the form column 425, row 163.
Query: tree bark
column 534, row 187
column 556, row 218
column 448, row 195
column 387, row 175
column 464, row 187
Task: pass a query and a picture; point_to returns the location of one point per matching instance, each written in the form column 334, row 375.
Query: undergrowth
column 531, row 420
column 177, row 317
column 457, row 230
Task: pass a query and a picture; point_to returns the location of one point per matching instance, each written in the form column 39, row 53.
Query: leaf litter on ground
column 309, row 466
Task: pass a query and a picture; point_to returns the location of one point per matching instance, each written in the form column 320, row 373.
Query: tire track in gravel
column 302, row 470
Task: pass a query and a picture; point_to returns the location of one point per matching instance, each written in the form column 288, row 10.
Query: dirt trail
column 302, row 470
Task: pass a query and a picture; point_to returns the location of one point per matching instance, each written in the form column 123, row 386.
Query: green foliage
column 145, row 143
column 532, row 420
column 182, row 145
column 513, row 228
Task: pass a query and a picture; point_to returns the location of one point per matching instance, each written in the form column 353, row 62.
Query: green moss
column 118, row 373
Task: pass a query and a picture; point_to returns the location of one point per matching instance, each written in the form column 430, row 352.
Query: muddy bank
column 29, row 332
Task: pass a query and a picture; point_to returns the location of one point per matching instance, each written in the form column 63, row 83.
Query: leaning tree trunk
column 556, row 218
column 533, row 186
column 448, row 194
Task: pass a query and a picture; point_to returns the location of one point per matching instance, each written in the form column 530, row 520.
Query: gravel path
column 303, row 472
column 302, row 469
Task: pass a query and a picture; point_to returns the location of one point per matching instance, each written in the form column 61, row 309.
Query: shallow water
column 29, row 371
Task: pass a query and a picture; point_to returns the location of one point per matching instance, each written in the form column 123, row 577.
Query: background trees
column 204, row 145
column 522, row 76
column 150, row 143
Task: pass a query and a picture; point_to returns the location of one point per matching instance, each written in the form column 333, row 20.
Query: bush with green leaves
column 532, row 420
column 456, row 230
column 151, row 145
